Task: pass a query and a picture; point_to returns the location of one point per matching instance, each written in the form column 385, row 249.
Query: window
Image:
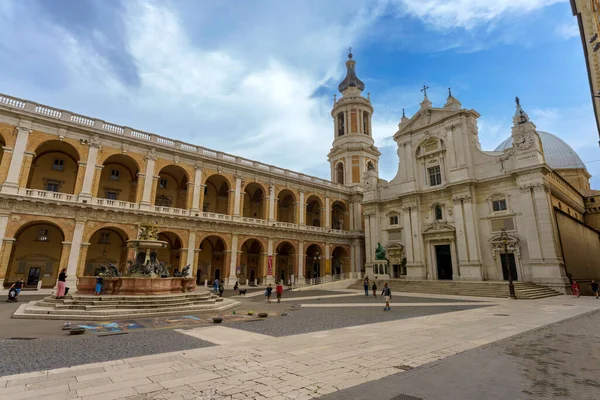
column 438, row 212
column 394, row 220
column 435, row 175
column 499, row 205
column 43, row 235
column 104, row 238
column 52, row 186
column 162, row 183
column 58, row 165
column 503, row 223
column 114, row 175
column 111, row 195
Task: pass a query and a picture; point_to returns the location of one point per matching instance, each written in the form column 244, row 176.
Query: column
column 327, row 213
column 4, row 260
column 183, row 257
column 358, row 258
column 475, row 270
column 196, row 205
column 370, row 251
column 233, row 260
column 64, row 260
column 11, row 184
column 352, row 261
column 146, row 203
column 271, row 202
column 302, row 209
column 461, row 240
column 90, row 169
column 230, row 201
column 79, row 179
column 407, row 234
column 82, row 259
column 270, row 254
column 139, row 192
column 5, row 164
column 74, row 255
column 300, row 260
column 327, row 259
column 237, row 196
column 530, row 224
column 26, row 168
column 190, row 252
column 351, row 219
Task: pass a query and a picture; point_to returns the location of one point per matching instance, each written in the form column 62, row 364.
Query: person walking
column 268, row 293
column 221, row 288
column 216, row 286
column 366, row 286
column 576, row 289
column 594, row 287
column 99, row 281
column 279, row 291
column 388, row 296
column 235, row 288
column 62, row 284
column 374, row 287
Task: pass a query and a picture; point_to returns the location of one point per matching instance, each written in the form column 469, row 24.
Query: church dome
column 557, row 153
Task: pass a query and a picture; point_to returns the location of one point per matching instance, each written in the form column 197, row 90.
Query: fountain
column 145, row 275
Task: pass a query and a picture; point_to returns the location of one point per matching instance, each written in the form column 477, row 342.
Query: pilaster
column 90, row 170
column 196, row 204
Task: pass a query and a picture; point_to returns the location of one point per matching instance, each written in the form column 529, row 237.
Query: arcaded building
column 75, row 189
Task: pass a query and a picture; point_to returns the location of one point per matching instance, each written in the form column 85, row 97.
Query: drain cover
column 406, row 397
column 502, row 315
column 403, row 367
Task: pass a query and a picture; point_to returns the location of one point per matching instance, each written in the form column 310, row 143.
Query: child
column 576, row 289
column 388, row 296
column 374, row 287
column 98, row 284
column 268, row 293
column 279, row 292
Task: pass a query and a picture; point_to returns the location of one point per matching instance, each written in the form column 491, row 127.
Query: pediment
column 438, row 227
column 426, row 117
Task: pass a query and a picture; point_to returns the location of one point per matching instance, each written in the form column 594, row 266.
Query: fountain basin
column 137, row 285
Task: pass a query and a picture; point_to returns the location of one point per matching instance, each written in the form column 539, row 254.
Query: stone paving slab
column 357, row 298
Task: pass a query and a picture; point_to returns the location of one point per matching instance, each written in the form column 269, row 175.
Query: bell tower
column 353, row 151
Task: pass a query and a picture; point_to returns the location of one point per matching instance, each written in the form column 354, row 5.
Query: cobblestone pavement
column 559, row 361
column 357, row 298
column 306, row 320
column 20, row 356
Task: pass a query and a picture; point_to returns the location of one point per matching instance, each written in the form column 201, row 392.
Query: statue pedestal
column 378, row 269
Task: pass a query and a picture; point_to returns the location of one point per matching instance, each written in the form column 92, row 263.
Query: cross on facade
column 424, row 90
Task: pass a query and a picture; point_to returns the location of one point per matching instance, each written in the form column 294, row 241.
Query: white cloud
column 448, row 14
column 567, row 30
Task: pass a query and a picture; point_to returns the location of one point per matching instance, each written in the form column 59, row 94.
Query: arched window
column 438, row 212
column 365, row 122
column 370, row 166
column 341, row 124
column 339, row 170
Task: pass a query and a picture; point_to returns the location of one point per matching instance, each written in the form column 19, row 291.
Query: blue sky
column 256, row 78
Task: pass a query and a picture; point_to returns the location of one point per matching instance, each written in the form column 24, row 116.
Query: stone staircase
column 527, row 291
column 102, row 308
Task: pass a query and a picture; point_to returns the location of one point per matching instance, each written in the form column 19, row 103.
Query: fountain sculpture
column 144, row 275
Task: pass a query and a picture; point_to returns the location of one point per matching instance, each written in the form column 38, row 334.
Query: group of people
column 593, row 286
column 386, row 292
column 278, row 292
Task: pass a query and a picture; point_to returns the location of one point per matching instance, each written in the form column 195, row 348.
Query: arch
column 254, row 201
column 216, row 194
column 119, row 178
column 211, row 259
column 314, row 255
column 251, row 261
column 339, row 173
column 36, row 254
column 370, row 166
column 54, row 167
column 340, row 261
column 286, row 206
column 171, row 254
column 341, row 126
column 108, row 245
column 314, row 205
column 339, row 215
column 429, row 144
column 172, row 186
column 285, row 263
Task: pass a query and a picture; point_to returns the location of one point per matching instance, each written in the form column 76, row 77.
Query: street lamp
column 504, row 239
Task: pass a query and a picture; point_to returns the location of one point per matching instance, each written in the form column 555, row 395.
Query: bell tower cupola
column 353, row 151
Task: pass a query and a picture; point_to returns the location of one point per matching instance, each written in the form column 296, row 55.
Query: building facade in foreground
column 75, row 189
column 450, row 202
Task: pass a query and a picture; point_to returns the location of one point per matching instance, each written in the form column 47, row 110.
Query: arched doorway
column 339, row 172
column 107, row 246
column 313, row 211
column 171, row 254
column 340, row 262
column 216, row 195
column 314, row 254
column 211, row 260
column 172, row 187
column 339, row 217
column 285, row 263
column 251, row 261
column 119, row 178
column 35, row 255
column 54, row 167
column 286, row 208
column 254, row 199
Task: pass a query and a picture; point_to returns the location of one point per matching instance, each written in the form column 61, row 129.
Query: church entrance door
column 506, row 260
column 444, row 261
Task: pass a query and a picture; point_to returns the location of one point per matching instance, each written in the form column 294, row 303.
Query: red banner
column 270, row 265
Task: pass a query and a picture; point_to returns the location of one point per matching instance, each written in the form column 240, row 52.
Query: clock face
column 523, row 142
